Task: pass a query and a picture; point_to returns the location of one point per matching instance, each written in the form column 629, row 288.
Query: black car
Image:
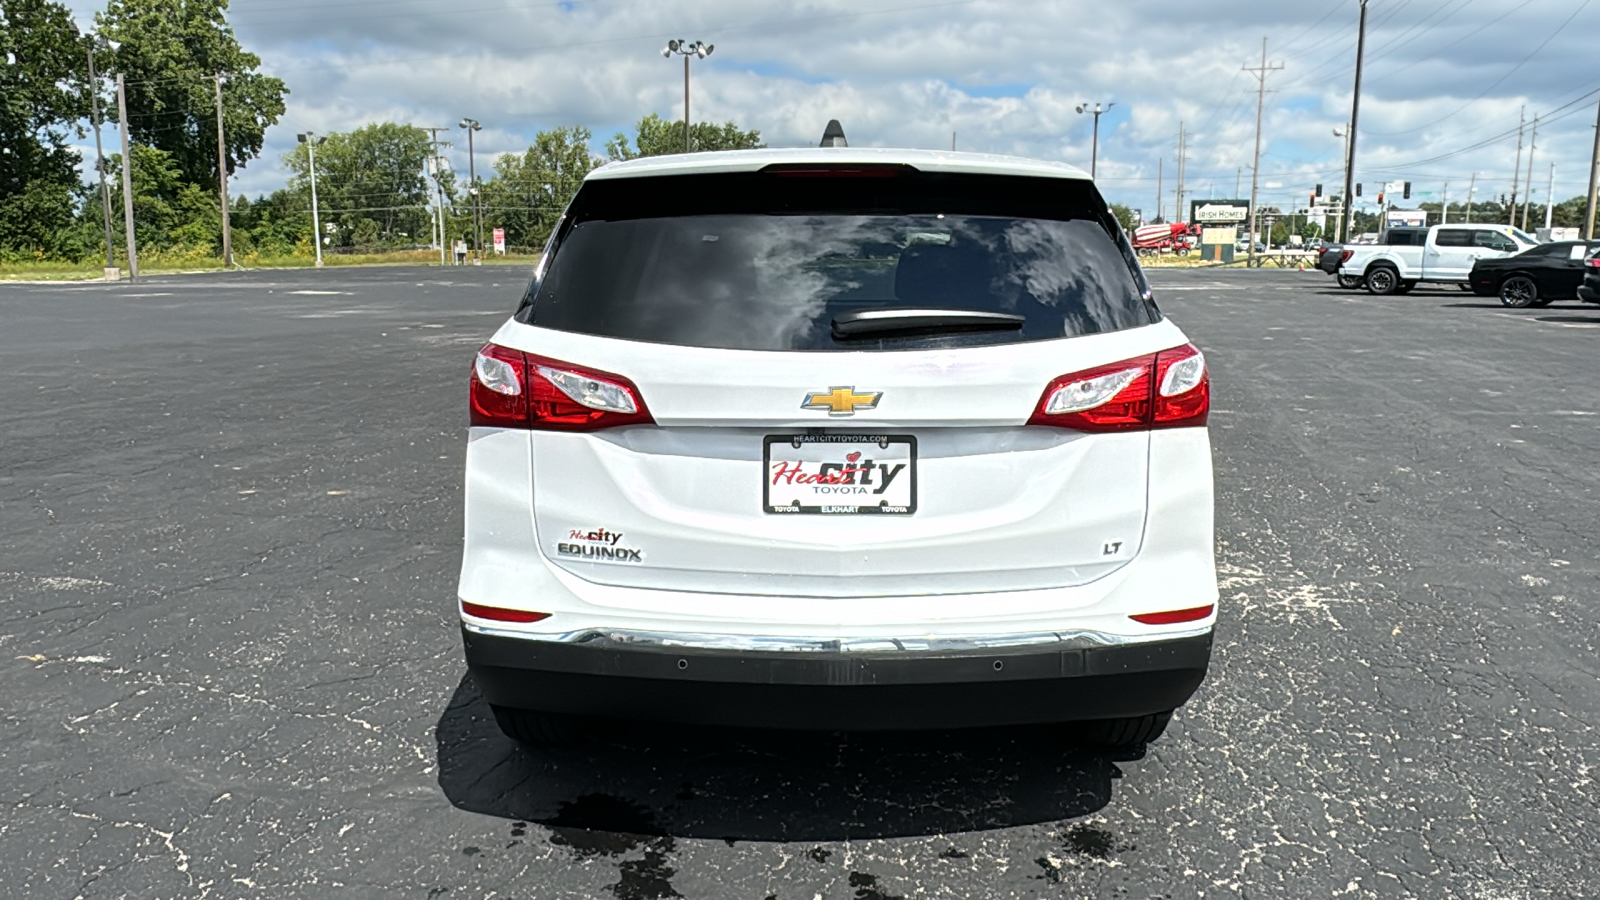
column 1537, row 277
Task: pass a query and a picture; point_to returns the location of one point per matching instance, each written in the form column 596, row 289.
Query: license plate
column 840, row 474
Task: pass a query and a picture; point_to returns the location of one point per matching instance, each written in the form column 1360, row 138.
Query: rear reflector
column 501, row 615
column 1175, row 616
column 1163, row 390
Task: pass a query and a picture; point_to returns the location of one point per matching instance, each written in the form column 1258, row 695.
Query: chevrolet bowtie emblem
column 841, row 401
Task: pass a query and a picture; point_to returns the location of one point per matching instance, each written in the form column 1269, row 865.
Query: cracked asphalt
column 229, row 666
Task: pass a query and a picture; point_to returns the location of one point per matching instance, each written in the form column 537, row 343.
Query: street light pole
column 100, row 158
column 472, row 125
column 311, row 141
column 1094, row 151
column 687, row 49
column 127, row 181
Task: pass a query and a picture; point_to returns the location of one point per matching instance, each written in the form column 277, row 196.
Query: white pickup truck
column 1443, row 254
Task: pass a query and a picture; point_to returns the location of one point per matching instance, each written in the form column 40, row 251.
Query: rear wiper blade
column 874, row 322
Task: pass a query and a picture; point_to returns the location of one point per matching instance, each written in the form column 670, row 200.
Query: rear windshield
column 769, row 260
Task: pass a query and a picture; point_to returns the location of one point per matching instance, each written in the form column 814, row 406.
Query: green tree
column 43, row 70
column 377, row 173
column 168, row 213
column 1125, row 217
column 529, row 192
column 169, row 51
column 654, row 136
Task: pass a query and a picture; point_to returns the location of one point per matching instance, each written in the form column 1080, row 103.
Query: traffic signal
column 1407, row 194
column 1313, row 201
column 1318, row 192
column 1380, row 198
column 1358, row 189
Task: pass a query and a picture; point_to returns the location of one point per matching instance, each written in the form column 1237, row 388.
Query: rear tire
column 1123, row 734
column 538, row 729
column 1519, row 292
column 1382, row 280
column 1350, row 282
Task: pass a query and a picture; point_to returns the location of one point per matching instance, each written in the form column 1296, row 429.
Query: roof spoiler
column 833, row 135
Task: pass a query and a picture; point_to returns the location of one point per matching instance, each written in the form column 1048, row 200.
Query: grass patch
column 169, row 264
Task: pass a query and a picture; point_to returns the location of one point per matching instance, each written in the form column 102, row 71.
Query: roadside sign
column 500, row 241
column 1218, row 212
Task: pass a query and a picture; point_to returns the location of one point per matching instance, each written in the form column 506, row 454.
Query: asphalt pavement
column 230, row 518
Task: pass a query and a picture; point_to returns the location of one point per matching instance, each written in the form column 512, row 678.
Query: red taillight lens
column 512, row 389
column 499, row 392
column 1173, row 617
column 1592, row 262
column 1345, row 256
column 565, row 397
column 500, row 614
column 1183, row 388
column 1162, row 390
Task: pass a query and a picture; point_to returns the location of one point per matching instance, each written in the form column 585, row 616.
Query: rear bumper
column 873, row 690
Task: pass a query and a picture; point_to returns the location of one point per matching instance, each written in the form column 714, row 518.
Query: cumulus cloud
column 1004, row 75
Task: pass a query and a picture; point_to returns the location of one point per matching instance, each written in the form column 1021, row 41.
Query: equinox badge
column 841, row 401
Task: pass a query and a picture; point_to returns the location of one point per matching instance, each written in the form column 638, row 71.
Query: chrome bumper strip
column 623, row 639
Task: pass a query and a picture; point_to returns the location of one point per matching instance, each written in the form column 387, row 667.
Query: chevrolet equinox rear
column 838, row 439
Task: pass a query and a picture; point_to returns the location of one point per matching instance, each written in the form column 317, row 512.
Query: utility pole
column 472, row 125
column 1444, row 209
column 100, row 159
column 1533, row 143
column 438, row 185
column 222, row 179
column 952, row 142
column 1180, row 213
column 1355, row 120
column 127, row 180
column 1261, row 74
column 1472, row 190
column 1594, row 183
column 1516, row 170
column 1550, row 198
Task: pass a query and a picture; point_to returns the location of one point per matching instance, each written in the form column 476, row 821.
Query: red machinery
column 1151, row 239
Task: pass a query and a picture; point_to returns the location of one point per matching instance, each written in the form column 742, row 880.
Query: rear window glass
column 771, row 261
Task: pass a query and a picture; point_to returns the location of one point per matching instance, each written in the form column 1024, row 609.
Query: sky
column 1443, row 84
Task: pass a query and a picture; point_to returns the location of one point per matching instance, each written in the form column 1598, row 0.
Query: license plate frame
column 901, row 450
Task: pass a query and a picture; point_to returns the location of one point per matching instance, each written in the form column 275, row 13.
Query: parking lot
column 230, row 667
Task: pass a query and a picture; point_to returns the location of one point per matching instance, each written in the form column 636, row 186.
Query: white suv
column 838, row 438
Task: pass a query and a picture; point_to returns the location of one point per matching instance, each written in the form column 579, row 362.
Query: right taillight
column 1345, row 256
column 1592, row 262
column 1169, row 389
column 512, row 389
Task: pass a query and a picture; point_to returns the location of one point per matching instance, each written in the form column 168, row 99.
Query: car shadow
column 618, row 791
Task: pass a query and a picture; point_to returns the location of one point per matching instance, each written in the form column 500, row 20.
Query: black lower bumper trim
column 911, row 689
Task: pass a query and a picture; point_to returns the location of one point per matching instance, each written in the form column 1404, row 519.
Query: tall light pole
column 687, row 50
column 472, row 125
column 311, row 141
column 1094, row 152
column 99, row 151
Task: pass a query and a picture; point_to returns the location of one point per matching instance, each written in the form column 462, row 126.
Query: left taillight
column 512, row 389
column 1169, row 389
column 499, row 395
